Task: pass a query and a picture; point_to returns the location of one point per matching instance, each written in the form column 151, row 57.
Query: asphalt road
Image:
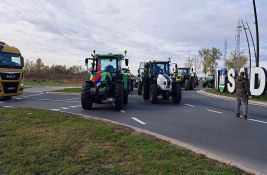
column 204, row 122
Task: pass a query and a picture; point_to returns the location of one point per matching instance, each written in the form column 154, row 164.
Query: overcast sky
column 66, row 31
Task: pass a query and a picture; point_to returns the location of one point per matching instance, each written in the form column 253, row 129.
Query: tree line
column 39, row 72
column 207, row 60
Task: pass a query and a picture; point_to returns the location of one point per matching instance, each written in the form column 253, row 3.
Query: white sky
column 66, row 31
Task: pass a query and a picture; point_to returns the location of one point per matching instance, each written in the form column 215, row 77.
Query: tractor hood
column 164, row 82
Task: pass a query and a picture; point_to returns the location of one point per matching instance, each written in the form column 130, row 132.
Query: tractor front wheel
column 119, row 96
column 176, row 94
column 86, row 100
column 154, row 94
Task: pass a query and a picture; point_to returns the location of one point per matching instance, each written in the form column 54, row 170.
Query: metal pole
column 252, row 39
column 248, row 47
column 257, row 34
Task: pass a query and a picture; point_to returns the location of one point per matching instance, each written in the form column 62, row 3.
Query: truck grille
column 10, row 87
column 10, row 75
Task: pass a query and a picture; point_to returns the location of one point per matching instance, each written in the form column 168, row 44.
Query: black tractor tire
column 139, row 88
column 125, row 96
column 176, row 94
column 146, row 91
column 186, row 84
column 119, row 96
column 154, row 94
column 86, row 99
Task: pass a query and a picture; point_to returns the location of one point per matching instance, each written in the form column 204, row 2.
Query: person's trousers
column 242, row 99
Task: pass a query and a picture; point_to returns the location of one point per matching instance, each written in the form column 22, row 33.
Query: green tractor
column 106, row 82
column 186, row 78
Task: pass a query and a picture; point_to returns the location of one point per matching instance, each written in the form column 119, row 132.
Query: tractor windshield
column 10, row 60
column 108, row 64
column 183, row 71
column 161, row 68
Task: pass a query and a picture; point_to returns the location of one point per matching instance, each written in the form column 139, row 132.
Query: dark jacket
column 242, row 86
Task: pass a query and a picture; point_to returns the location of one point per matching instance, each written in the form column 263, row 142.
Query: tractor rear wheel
column 154, row 94
column 176, row 94
column 119, row 96
column 125, row 96
column 86, row 100
column 139, row 88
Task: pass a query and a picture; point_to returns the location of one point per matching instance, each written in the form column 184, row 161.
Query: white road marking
column 122, row 111
column 18, row 98
column 1, row 102
column 139, row 121
column 34, row 95
column 259, row 121
column 74, row 106
column 189, row 105
column 8, row 106
column 214, row 111
column 65, row 108
column 55, row 109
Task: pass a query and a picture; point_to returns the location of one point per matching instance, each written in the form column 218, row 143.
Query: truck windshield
column 10, row 60
column 161, row 68
column 183, row 71
column 108, row 64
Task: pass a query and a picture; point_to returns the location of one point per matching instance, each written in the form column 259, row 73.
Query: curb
column 251, row 102
column 176, row 143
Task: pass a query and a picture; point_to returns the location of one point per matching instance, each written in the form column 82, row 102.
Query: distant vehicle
column 140, row 78
column 186, row 77
column 106, row 81
column 131, row 79
column 11, row 71
column 157, row 81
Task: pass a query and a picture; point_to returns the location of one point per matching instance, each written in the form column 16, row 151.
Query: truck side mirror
column 126, row 62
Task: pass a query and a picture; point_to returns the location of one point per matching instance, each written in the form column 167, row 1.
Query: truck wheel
column 7, row 98
column 154, row 94
column 86, row 100
column 139, row 88
column 186, row 84
column 176, row 94
column 125, row 96
column 119, row 96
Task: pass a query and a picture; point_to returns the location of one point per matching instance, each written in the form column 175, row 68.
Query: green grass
column 259, row 98
column 48, row 84
column 43, row 142
column 69, row 90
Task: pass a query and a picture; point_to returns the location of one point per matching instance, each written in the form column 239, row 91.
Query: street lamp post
column 257, row 34
column 248, row 47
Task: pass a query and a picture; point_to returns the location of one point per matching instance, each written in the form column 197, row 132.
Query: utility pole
column 225, row 52
column 252, row 39
column 257, row 34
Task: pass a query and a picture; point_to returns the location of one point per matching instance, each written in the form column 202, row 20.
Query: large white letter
column 231, row 80
column 257, row 91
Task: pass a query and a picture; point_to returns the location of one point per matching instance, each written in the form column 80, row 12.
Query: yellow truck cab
column 11, row 71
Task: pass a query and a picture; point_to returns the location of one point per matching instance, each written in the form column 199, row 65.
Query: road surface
column 203, row 122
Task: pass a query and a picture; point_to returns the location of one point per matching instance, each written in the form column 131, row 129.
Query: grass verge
column 213, row 91
column 43, row 142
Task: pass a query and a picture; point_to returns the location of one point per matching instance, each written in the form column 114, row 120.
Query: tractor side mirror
column 126, row 62
column 176, row 66
column 86, row 61
column 138, row 71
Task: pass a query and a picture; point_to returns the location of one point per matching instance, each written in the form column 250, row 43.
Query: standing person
column 242, row 94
